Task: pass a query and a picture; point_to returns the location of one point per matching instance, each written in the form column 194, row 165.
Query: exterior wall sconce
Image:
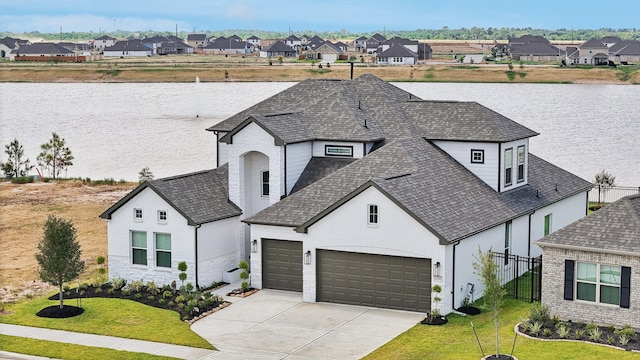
column 254, row 246
column 307, row 258
column 436, row 269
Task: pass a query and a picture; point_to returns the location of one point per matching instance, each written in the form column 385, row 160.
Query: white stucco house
column 349, row 191
column 128, row 48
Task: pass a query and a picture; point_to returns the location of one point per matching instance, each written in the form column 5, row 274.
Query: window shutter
column 568, row 279
column 625, row 287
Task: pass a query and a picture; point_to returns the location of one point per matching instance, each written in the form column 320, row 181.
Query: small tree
column 59, row 253
column 145, row 175
column 437, row 289
column 487, row 270
column 55, row 155
column 603, row 180
column 244, row 275
column 15, row 166
column 280, row 59
column 182, row 266
column 101, row 271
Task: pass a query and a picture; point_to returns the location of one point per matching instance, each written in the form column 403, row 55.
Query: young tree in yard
column 59, row 253
column 487, row 270
column 15, row 166
column 603, row 180
column 55, row 155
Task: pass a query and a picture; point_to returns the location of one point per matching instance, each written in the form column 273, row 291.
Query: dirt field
column 23, row 211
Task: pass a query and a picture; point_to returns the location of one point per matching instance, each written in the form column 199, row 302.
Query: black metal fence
column 520, row 275
column 601, row 194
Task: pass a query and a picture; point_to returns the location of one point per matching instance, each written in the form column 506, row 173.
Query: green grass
column 109, row 72
column 67, row 351
column 455, row 340
column 114, row 317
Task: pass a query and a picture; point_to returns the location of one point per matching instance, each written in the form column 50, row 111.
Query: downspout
column 453, row 277
column 196, row 241
column 529, row 237
column 285, row 172
column 499, row 166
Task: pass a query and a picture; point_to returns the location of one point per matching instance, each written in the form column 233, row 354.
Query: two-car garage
column 350, row 278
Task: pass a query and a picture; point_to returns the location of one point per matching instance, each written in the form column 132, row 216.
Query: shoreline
column 250, row 70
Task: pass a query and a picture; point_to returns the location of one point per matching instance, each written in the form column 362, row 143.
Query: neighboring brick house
column 591, row 268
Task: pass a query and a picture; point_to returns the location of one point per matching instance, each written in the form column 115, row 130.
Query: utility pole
column 175, row 43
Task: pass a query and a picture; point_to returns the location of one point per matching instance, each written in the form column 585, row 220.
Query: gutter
column 196, row 245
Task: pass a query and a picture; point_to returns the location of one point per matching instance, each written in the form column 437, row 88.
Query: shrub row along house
column 349, row 191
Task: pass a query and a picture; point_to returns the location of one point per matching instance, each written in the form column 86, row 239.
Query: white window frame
column 547, row 224
column 146, row 251
column 508, row 167
column 338, row 150
column 521, row 163
column 137, row 211
column 373, row 215
column 480, row 158
column 162, row 216
column 598, row 283
column 156, row 250
column 264, row 183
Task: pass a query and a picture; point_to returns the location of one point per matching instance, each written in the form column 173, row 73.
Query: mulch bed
column 436, row 320
column 607, row 338
column 152, row 298
column 240, row 293
column 469, row 310
column 55, row 312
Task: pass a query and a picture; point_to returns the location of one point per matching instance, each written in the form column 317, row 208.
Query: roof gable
column 279, row 46
column 398, row 51
column 593, row 43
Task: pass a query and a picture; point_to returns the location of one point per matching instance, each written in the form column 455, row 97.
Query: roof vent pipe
column 365, row 123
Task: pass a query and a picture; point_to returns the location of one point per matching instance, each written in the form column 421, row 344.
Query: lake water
column 114, row 130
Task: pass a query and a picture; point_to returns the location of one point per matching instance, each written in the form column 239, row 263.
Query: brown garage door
column 282, row 265
column 374, row 280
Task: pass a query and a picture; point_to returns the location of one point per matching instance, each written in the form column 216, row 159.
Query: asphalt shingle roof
column 614, row 228
column 398, row 51
column 201, row 197
column 42, row 48
column 129, row 45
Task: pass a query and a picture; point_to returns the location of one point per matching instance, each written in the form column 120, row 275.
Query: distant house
column 591, row 268
column 103, row 42
column 373, row 43
column 610, row 40
column 154, row 43
column 424, row 51
column 409, row 44
column 294, row 42
column 342, row 46
column 315, row 42
column 593, row 52
column 227, row 46
column 41, row 52
column 128, row 48
column 76, row 47
column 327, row 52
column 197, row 41
column 254, row 41
column 174, row 47
column 533, row 48
column 278, row 49
column 625, row 52
column 8, row 43
column 397, row 55
column 360, row 44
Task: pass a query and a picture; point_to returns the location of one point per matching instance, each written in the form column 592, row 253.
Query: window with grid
column 598, row 283
column 508, row 167
column 477, row 156
column 264, row 181
column 162, row 216
column 137, row 214
column 373, row 215
column 521, row 156
column 163, row 250
column 139, row 247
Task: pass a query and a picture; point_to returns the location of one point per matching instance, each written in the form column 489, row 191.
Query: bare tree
column 604, row 181
column 55, row 155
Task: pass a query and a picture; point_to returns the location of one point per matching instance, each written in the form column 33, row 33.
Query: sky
column 361, row 16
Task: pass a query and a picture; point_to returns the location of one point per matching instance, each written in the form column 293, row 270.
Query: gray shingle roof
column 398, row 51
column 535, row 48
column 464, row 121
column 614, row 228
column 42, row 49
column 129, row 45
column 200, row 197
column 425, row 181
column 196, row 37
column 279, row 46
column 593, row 43
column 318, row 168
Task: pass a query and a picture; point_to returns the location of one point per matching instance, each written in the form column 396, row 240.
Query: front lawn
column 455, row 340
column 114, row 317
column 58, row 350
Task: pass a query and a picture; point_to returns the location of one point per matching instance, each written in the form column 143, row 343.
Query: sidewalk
column 109, row 342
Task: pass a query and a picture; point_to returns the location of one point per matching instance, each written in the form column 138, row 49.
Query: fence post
column 515, row 276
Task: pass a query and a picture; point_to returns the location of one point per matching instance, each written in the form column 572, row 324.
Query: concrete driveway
column 272, row 324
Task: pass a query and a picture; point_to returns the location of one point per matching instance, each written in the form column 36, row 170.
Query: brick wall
column 583, row 311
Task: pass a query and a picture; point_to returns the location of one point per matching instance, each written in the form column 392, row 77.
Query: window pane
column 163, row 259
column 163, row 241
column 610, row 295
column 139, row 239
column 508, row 158
column 547, row 224
column 586, row 292
column 587, row 271
column 521, row 155
column 610, row 274
column 140, row 257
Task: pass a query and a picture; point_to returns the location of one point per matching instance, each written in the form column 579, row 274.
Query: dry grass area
column 23, row 212
column 216, row 72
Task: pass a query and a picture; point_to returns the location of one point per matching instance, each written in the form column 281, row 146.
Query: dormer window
column 332, row 150
column 508, row 167
column 477, row 156
column 521, row 156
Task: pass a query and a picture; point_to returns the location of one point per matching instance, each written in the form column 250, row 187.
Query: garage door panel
column 374, row 280
column 282, row 264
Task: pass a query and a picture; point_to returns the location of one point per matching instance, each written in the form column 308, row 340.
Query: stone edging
column 220, row 307
column 515, row 328
column 244, row 294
